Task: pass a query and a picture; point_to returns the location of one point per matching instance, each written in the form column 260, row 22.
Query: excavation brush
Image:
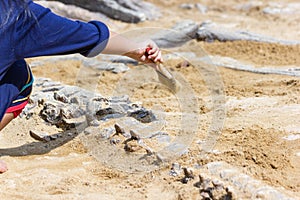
column 166, row 77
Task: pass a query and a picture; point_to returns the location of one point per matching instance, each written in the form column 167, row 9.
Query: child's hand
column 148, row 53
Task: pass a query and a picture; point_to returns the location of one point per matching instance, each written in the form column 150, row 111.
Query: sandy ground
column 261, row 111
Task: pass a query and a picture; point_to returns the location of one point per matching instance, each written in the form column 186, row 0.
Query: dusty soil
column 261, row 110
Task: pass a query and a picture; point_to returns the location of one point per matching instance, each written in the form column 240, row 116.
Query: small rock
column 142, row 115
column 131, row 11
column 131, row 147
column 217, row 184
column 134, row 135
column 114, row 141
column 40, row 136
column 94, row 122
column 60, row 97
column 188, row 175
column 179, row 35
column 185, row 180
column 107, row 132
column 188, row 172
column 74, row 122
column 118, row 99
column 187, row 6
column 201, row 8
column 175, row 170
column 199, row 184
column 55, row 136
column 205, row 195
column 119, row 129
column 119, row 68
column 183, row 64
column 112, row 111
column 70, row 134
column 90, row 130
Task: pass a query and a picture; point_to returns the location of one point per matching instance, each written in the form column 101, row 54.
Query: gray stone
column 71, row 11
column 201, row 8
column 189, row 173
column 114, row 141
column 108, row 66
column 142, row 130
column 180, row 55
column 71, row 107
column 175, row 170
column 244, row 184
column 161, row 137
column 208, row 32
column 119, row 129
column 112, row 111
column 280, row 8
column 187, row 6
column 40, row 136
column 119, row 68
column 55, row 136
column 61, row 98
column 119, row 99
column 132, row 11
column 91, row 130
column 177, row 36
column 76, row 92
column 248, row 6
column 107, row 133
column 74, row 123
column 236, row 65
column 142, row 115
column 205, row 195
column 51, row 112
column 117, row 59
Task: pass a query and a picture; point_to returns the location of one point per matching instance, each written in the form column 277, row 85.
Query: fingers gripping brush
column 165, row 77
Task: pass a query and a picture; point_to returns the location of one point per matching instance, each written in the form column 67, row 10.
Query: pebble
column 40, row 136
column 183, row 64
column 292, row 137
column 125, row 10
column 205, row 195
column 142, row 115
column 134, row 135
column 55, row 136
column 181, row 33
column 187, row 6
column 201, row 8
column 114, row 141
column 217, row 184
column 119, row 129
column 188, row 175
column 175, row 170
column 129, row 147
column 90, row 130
column 188, row 172
column 243, row 183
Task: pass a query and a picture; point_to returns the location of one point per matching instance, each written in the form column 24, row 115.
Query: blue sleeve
column 43, row 33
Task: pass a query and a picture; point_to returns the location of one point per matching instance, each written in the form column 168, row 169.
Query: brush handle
column 160, row 68
column 164, row 76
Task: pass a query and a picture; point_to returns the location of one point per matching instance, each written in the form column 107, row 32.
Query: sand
column 262, row 115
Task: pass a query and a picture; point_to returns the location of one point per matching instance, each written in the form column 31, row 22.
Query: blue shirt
column 42, row 33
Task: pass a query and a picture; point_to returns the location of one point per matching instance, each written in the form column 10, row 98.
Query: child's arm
column 117, row 44
column 50, row 34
